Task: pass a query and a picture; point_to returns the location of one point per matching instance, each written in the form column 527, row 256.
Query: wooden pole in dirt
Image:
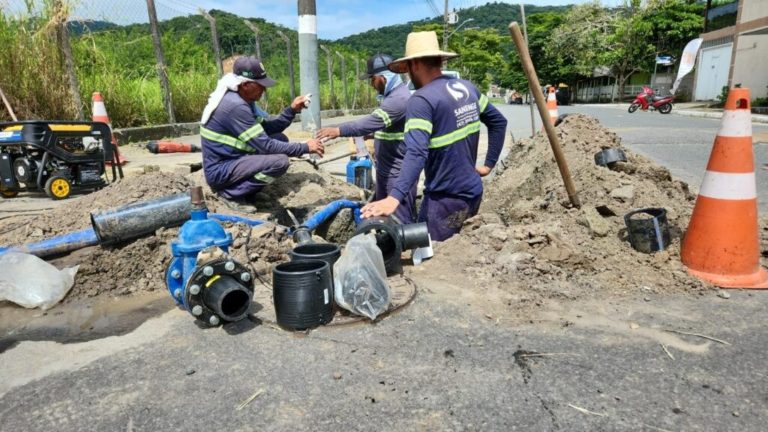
column 162, row 73
column 62, row 33
column 533, row 83
column 8, row 105
column 215, row 37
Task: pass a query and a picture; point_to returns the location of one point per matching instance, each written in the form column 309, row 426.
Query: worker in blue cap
column 243, row 149
column 386, row 123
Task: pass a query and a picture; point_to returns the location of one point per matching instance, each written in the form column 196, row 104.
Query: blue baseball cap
column 252, row 68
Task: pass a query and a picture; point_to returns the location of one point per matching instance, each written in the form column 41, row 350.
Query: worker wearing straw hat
column 442, row 131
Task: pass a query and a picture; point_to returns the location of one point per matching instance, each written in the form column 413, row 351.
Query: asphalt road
column 678, row 142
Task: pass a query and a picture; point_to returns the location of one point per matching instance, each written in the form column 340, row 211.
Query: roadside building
column 734, row 50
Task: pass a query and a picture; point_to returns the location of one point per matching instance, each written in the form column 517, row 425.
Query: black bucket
column 303, row 294
column 327, row 252
column 648, row 234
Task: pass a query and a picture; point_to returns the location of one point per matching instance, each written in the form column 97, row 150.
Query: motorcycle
column 647, row 99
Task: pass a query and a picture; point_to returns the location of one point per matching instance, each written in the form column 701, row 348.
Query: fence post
column 257, row 47
column 344, row 79
column 288, row 50
column 62, row 34
column 329, row 62
column 357, row 83
column 215, row 37
column 162, row 73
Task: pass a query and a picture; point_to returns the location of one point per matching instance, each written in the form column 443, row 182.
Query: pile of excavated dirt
column 140, row 265
column 530, row 244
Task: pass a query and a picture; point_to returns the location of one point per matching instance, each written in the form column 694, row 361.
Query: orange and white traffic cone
column 99, row 114
column 722, row 245
column 552, row 105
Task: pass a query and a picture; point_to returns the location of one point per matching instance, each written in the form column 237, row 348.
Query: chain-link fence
column 58, row 52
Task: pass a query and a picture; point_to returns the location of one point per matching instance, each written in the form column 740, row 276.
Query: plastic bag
column 31, row 282
column 360, row 280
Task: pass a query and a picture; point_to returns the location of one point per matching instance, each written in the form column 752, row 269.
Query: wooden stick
column 533, row 82
column 8, row 105
column 586, row 411
column 699, row 335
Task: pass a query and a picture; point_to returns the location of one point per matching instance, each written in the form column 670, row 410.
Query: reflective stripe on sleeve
column 384, row 116
column 389, row 136
column 420, row 124
column 457, row 135
column 252, row 132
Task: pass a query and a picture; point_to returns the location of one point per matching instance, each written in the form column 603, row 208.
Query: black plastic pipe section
column 303, row 294
column 327, row 252
column 135, row 220
column 228, row 298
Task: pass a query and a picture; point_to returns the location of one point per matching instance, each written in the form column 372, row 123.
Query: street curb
column 157, row 132
column 756, row 118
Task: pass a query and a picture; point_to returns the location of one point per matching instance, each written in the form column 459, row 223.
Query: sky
column 339, row 18
column 336, row 18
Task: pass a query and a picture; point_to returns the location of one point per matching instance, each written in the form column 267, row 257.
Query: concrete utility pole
column 310, row 82
column 162, row 73
column 344, row 79
column 329, row 64
column 291, row 78
column 215, row 37
column 445, row 27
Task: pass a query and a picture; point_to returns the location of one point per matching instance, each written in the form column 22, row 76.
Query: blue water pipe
column 80, row 239
column 303, row 233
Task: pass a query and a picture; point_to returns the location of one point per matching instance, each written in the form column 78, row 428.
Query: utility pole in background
column 309, row 79
column 291, row 78
column 530, row 96
column 445, row 27
column 162, row 73
column 215, row 37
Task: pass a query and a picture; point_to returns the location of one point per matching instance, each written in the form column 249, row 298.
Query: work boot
column 240, row 206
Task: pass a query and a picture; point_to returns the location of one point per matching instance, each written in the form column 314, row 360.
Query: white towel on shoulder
column 228, row 82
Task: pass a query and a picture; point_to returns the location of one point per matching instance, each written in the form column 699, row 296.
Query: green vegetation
column 119, row 61
column 567, row 44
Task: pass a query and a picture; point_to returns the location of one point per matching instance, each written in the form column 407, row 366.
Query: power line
column 433, row 6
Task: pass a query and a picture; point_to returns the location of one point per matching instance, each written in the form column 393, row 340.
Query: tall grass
column 120, row 63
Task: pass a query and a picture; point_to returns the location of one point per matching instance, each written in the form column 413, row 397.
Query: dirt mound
column 140, row 265
column 530, row 243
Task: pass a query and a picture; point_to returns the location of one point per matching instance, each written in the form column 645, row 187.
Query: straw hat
column 419, row 45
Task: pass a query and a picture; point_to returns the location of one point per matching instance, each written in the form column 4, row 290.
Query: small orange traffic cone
column 721, row 245
column 552, row 105
column 99, row 114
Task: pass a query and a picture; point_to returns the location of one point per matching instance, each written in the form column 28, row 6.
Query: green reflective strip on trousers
column 421, row 124
column 457, row 135
column 483, row 103
column 252, row 132
column 226, row 140
column 389, row 136
column 384, row 116
column 264, row 178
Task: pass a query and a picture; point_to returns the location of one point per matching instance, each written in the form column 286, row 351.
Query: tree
column 629, row 47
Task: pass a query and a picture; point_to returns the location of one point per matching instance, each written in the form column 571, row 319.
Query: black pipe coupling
column 393, row 238
column 220, row 289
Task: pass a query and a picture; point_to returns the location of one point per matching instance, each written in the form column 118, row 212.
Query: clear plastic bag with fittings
column 360, row 279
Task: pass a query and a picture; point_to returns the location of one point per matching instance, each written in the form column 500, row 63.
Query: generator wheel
column 58, row 187
column 7, row 193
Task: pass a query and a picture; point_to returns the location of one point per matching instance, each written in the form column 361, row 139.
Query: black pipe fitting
column 393, row 238
column 219, row 290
